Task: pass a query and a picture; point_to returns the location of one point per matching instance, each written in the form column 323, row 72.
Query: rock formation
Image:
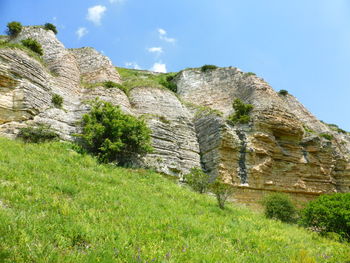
column 279, row 150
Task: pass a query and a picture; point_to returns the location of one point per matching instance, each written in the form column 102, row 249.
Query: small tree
column 283, row 92
column 52, row 27
column 329, row 213
column 57, row 100
column 112, row 135
column 110, row 84
column 279, row 206
column 33, row 45
column 242, row 111
column 222, row 192
column 198, row 180
column 14, row 28
column 206, row 68
column 167, row 82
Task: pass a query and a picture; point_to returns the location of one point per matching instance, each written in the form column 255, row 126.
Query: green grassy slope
column 59, row 206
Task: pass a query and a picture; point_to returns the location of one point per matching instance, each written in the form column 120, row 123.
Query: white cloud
column 168, row 39
column 95, row 14
column 161, row 32
column 116, row 1
column 82, row 31
column 157, row 50
column 159, row 67
column 163, row 36
column 133, row 65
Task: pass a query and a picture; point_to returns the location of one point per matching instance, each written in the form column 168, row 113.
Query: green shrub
column 123, row 88
column 206, row 68
column 167, row 82
column 33, row 45
column 14, row 28
column 307, row 129
column 249, row 74
column 336, row 128
column 222, row 192
column 283, row 92
column 242, row 111
column 327, row 136
column 37, row 134
column 329, row 213
column 4, row 44
column 198, row 180
column 57, row 100
column 279, row 206
column 52, row 27
column 110, row 84
column 112, row 135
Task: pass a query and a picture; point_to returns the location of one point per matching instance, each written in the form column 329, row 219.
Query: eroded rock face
column 279, row 150
column 271, row 153
column 27, row 87
column 58, row 59
column 24, row 86
column 94, row 67
column 173, row 134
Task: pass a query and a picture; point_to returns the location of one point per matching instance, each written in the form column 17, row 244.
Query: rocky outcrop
column 280, row 149
column 274, row 152
column 27, row 87
column 173, row 133
column 94, row 67
column 60, row 62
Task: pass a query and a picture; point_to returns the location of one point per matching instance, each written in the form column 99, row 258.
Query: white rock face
column 279, row 150
column 94, row 67
column 58, row 59
column 173, row 134
column 27, row 86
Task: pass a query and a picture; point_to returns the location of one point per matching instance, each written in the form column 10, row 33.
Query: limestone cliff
column 279, row 150
column 27, row 86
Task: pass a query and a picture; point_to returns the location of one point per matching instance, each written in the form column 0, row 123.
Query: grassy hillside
column 59, row 206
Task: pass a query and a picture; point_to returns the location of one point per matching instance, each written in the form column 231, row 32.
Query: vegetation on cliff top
column 33, row 45
column 59, row 206
column 206, row 68
column 14, row 28
column 141, row 78
column 133, row 78
column 52, row 27
column 31, row 53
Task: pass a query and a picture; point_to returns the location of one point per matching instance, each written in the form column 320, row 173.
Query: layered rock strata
column 280, row 149
column 27, row 86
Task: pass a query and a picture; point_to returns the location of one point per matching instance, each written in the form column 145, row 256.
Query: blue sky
column 297, row 45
